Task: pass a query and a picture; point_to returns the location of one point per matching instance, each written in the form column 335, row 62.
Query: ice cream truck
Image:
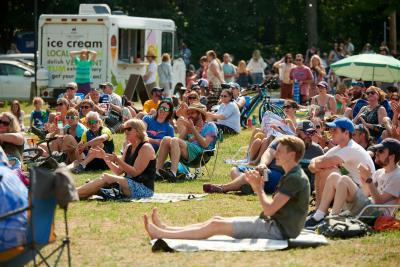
column 121, row 43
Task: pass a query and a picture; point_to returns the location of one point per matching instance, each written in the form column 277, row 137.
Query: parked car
column 15, row 80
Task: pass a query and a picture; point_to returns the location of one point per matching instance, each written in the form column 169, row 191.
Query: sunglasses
column 318, row 126
column 92, row 122
column 223, row 96
column 309, row 133
column 370, row 93
column 166, row 109
column 60, row 104
column 128, row 129
column 70, row 117
column 286, row 106
column 85, row 107
column 5, row 123
column 192, row 97
column 297, row 59
column 72, row 88
column 395, row 98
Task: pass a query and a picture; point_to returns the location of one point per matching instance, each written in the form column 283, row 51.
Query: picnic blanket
column 169, row 197
column 226, row 243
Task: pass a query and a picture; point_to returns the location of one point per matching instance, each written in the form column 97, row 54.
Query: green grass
column 112, row 233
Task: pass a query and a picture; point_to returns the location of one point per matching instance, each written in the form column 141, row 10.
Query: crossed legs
column 94, row 186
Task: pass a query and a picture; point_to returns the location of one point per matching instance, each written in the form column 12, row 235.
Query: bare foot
column 150, row 228
column 157, row 222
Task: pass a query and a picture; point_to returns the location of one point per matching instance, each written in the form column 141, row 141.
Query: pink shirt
column 302, row 74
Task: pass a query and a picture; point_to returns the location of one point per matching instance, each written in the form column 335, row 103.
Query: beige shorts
column 256, row 227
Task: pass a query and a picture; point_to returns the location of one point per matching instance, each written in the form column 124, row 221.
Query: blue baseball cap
column 343, row 123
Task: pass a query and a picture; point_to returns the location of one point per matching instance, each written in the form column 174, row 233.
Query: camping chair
column 361, row 215
column 205, row 157
column 44, row 193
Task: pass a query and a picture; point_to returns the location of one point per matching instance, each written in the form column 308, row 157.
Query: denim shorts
column 139, row 190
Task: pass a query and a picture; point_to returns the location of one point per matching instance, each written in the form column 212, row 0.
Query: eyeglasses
column 70, row 117
column 85, row 107
column 286, row 106
column 166, row 109
column 92, row 122
column 60, row 104
column 128, row 129
column 370, row 93
column 5, row 123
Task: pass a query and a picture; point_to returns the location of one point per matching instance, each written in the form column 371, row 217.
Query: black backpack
column 343, row 227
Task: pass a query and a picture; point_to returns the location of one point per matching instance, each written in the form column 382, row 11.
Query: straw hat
column 198, row 107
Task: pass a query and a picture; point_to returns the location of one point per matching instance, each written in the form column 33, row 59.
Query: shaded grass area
column 112, row 233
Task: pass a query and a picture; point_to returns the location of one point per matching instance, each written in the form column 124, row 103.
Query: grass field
column 112, row 233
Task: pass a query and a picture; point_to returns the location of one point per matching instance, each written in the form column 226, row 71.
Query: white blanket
column 169, row 197
column 226, row 243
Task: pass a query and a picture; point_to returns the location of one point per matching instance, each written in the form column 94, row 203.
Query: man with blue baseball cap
column 343, row 158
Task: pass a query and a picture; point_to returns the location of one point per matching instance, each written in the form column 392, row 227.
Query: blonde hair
column 73, row 111
column 242, row 67
column 319, row 61
column 256, row 54
column 211, row 53
column 38, row 100
column 165, row 57
column 293, row 144
column 381, row 94
column 14, row 124
column 139, row 126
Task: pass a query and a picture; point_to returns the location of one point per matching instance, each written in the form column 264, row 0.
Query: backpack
column 343, row 227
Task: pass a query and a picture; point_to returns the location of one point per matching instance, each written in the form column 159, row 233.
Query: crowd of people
column 346, row 149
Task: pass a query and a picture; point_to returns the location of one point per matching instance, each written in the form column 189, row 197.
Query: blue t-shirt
column 80, row 129
column 13, row 195
column 156, row 130
column 39, row 118
column 228, row 68
column 209, row 129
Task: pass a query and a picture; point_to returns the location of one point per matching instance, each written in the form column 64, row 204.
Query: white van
column 121, row 43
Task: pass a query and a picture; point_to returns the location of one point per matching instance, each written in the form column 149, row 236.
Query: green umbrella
column 369, row 67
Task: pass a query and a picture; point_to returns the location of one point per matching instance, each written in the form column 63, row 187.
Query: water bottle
column 296, row 91
column 254, row 121
column 60, row 127
column 250, row 123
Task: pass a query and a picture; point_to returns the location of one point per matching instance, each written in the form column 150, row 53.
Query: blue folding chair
column 40, row 228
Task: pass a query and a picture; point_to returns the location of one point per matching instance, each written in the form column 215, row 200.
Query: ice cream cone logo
column 113, row 47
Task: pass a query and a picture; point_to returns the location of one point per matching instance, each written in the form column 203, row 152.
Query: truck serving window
column 131, row 44
column 166, row 43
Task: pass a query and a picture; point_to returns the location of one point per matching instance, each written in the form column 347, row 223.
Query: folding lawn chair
column 362, row 214
column 48, row 187
column 205, row 157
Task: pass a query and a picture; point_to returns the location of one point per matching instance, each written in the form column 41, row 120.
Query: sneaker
column 168, row 175
column 212, row 188
column 311, row 223
column 78, row 169
column 159, row 177
column 246, row 189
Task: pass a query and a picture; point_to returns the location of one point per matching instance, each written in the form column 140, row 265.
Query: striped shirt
column 83, row 70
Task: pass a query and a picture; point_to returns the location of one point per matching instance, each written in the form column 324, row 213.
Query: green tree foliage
column 237, row 26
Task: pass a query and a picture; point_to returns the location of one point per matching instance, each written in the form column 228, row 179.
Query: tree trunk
column 312, row 33
column 393, row 33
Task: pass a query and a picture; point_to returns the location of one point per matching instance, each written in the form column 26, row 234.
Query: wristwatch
column 368, row 180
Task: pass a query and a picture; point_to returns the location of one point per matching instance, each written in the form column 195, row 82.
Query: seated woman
column 18, row 113
column 180, row 112
column 73, row 131
column 228, row 114
column 260, row 140
column 95, row 137
column 159, row 125
column 138, row 163
column 372, row 115
column 324, row 102
column 11, row 138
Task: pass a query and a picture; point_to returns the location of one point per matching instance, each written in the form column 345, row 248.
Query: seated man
column 70, row 94
column 96, row 136
column 347, row 154
column 14, row 196
column 382, row 185
column 281, row 218
column 111, row 98
column 196, row 137
column 150, row 106
column 305, row 130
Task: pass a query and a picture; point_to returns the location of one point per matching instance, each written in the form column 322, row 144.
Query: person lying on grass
column 281, row 218
column 138, row 162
